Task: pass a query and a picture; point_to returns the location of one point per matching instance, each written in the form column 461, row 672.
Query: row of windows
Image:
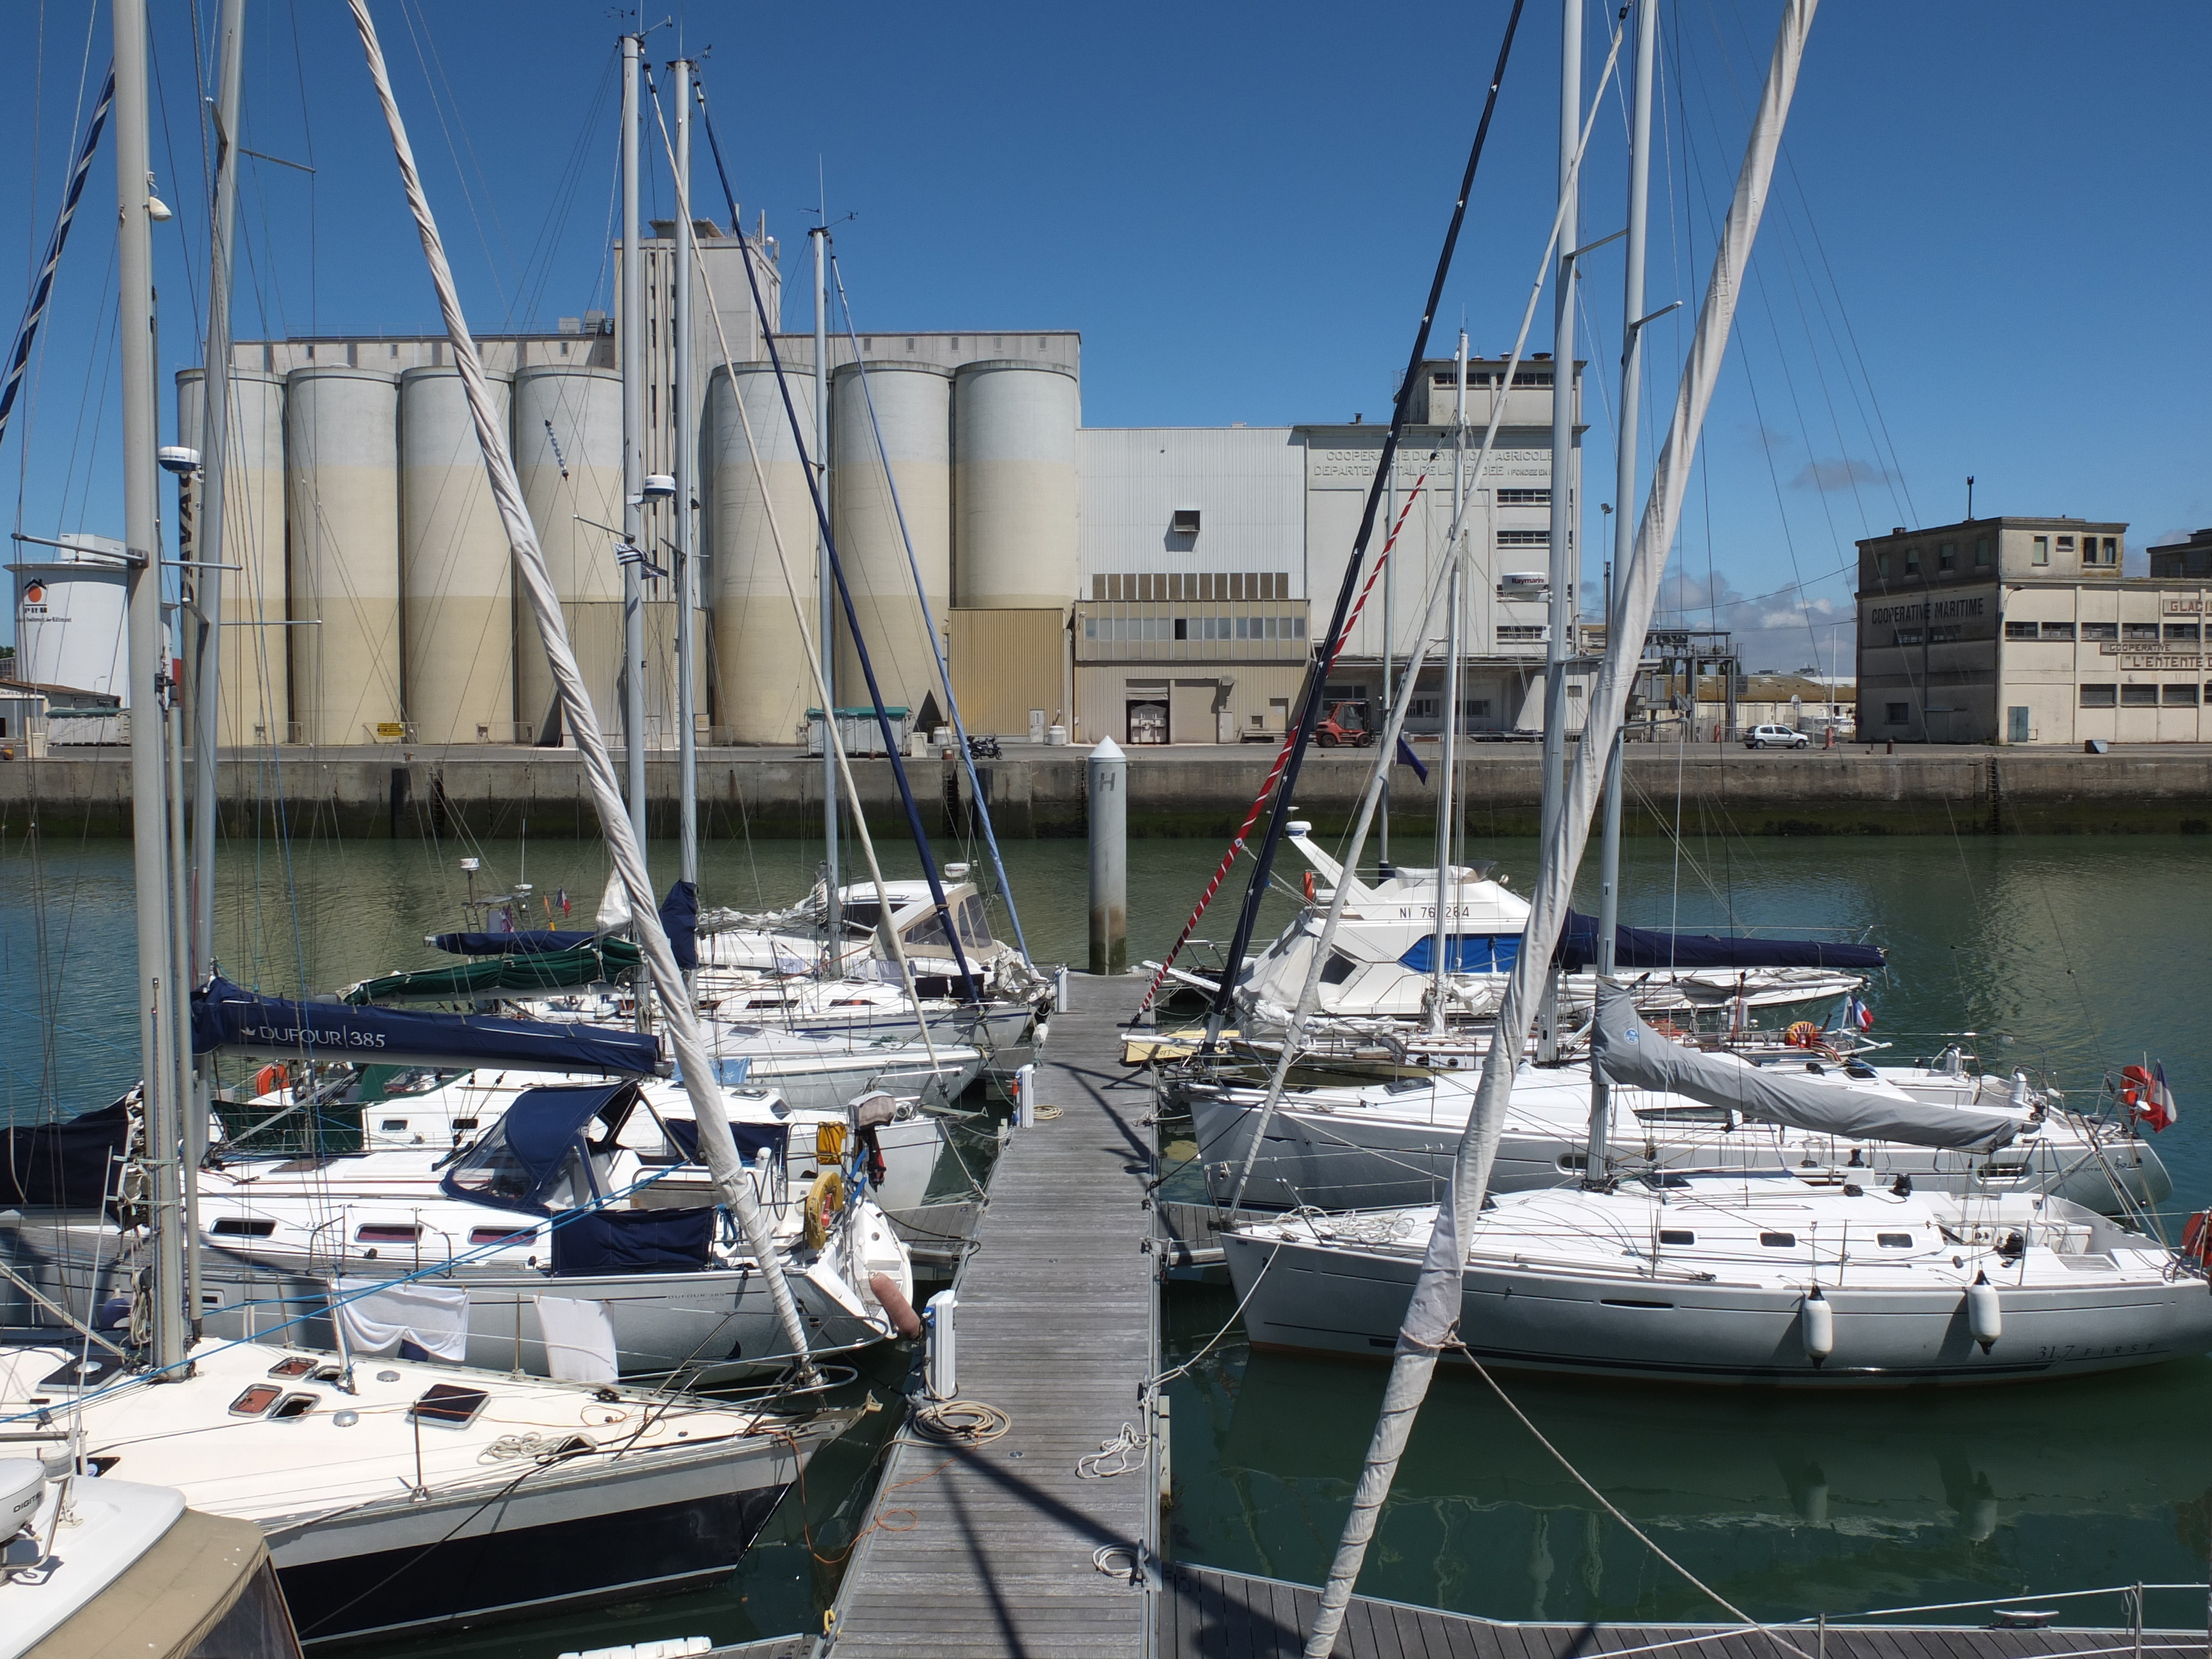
column 2141, row 633
column 1941, row 634
column 1523, row 631
column 1193, row 627
column 2096, row 552
column 2184, row 695
column 1194, row 585
column 1470, row 709
column 1447, row 380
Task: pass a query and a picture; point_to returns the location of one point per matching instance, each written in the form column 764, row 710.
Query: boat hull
column 1349, row 1160
column 1346, row 1300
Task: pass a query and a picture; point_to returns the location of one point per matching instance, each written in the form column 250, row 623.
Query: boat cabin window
column 502, row 1234
column 386, row 1232
column 975, row 927
column 1894, row 1241
column 1778, row 1240
column 927, row 929
column 449, row 1406
column 861, row 915
column 235, row 1226
column 1677, row 1236
column 392, row 1126
column 1340, row 968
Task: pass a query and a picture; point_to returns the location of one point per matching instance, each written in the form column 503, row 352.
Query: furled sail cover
column 1650, row 947
column 1630, row 1052
column 679, row 919
column 589, row 963
column 534, row 941
column 228, row 1018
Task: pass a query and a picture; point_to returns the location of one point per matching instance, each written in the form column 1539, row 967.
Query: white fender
column 1984, row 1312
column 1816, row 1323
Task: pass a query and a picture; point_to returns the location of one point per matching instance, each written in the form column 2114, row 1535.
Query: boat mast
column 1389, row 692
column 686, row 469
column 1559, row 638
column 150, row 683
column 206, row 579
column 832, row 959
column 631, row 332
column 1623, row 535
column 1447, row 797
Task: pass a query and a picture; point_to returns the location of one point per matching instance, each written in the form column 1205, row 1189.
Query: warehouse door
column 2016, row 724
column 1148, row 720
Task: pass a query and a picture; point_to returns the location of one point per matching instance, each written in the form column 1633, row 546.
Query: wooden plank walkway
column 1206, row 1614
column 989, row 1551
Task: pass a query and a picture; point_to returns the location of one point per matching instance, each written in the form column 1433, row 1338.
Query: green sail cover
column 553, row 970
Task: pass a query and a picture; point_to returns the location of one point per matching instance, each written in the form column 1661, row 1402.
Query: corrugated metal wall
column 1005, row 663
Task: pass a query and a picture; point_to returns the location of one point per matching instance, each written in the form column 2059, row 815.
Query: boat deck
column 1227, row 1615
column 989, row 1550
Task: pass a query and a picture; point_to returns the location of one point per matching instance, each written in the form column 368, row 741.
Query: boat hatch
column 255, row 1399
column 1894, row 1241
column 292, row 1408
column 236, row 1226
column 1778, row 1240
column 298, row 1365
column 447, row 1405
column 387, row 1233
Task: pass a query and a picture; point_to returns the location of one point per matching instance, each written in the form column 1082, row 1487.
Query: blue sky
column 1986, row 254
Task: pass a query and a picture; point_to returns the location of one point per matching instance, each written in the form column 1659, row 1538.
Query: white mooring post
column 940, row 1373
column 1107, row 774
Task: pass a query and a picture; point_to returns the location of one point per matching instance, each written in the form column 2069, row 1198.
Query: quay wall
column 494, row 792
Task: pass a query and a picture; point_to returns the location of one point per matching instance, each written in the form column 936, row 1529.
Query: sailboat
column 359, row 1469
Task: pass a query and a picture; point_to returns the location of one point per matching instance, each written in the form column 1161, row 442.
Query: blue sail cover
column 229, row 1019
column 1649, row 947
column 529, row 942
column 679, row 919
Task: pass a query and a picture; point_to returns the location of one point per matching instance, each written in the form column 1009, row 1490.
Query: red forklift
column 1348, row 721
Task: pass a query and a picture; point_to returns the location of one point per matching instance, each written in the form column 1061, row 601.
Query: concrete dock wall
column 1187, row 793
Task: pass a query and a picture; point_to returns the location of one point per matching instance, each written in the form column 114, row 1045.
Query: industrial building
column 2022, row 630
column 1149, row 584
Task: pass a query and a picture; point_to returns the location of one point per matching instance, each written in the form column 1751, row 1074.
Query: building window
column 1981, row 552
column 1947, row 557
column 2065, row 544
column 1477, row 709
column 1909, row 636
column 2138, row 697
column 2099, row 696
column 2019, row 630
column 2111, row 551
column 1525, row 498
column 2058, row 630
column 1911, row 561
column 2178, row 696
column 1945, row 633
column 2042, row 551
column 2187, row 632
column 1521, row 631
column 2144, row 631
column 1881, row 564
column 1524, row 538
column 1421, row 708
column 1900, row 714
column 2100, row 631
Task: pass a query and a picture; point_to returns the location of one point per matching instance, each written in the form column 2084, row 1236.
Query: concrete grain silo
column 458, row 646
column 913, row 405
column 567, row 449
column 763, row 689
column 342, row 471
column 1014, row 451
column 255, row 694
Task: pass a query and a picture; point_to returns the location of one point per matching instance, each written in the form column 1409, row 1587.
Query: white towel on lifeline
column 579, row 1338
column 375, row 1317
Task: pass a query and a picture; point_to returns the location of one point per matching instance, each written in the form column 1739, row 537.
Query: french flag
column 1857, row 1017
column 2146, row 1094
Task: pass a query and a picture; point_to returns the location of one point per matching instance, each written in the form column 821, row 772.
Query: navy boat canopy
column 536, row 1142
column 1650, row 947
column 228, row 1020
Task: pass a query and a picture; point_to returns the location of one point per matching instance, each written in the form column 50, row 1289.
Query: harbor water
column 2070, row 956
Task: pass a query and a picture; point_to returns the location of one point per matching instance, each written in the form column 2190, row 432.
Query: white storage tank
column 763, row 686
column 913, row 405
column 69, row 618
column 255, row 697
column 456, row 569
column 567, row 449
column 1014, row 425
column 341, row 469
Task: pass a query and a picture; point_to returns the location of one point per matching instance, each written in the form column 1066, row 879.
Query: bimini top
column 520, row 1162
column 229, row 1019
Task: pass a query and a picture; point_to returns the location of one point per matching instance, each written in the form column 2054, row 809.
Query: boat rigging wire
column 1317, row 673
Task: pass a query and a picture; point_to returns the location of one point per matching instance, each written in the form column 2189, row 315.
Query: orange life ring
column 1802, row 1035
column 272, row 1077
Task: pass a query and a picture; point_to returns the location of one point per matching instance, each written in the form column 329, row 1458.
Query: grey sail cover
column 1630, row 1052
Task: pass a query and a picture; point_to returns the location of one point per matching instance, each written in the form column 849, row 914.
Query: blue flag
column 1408, row 758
